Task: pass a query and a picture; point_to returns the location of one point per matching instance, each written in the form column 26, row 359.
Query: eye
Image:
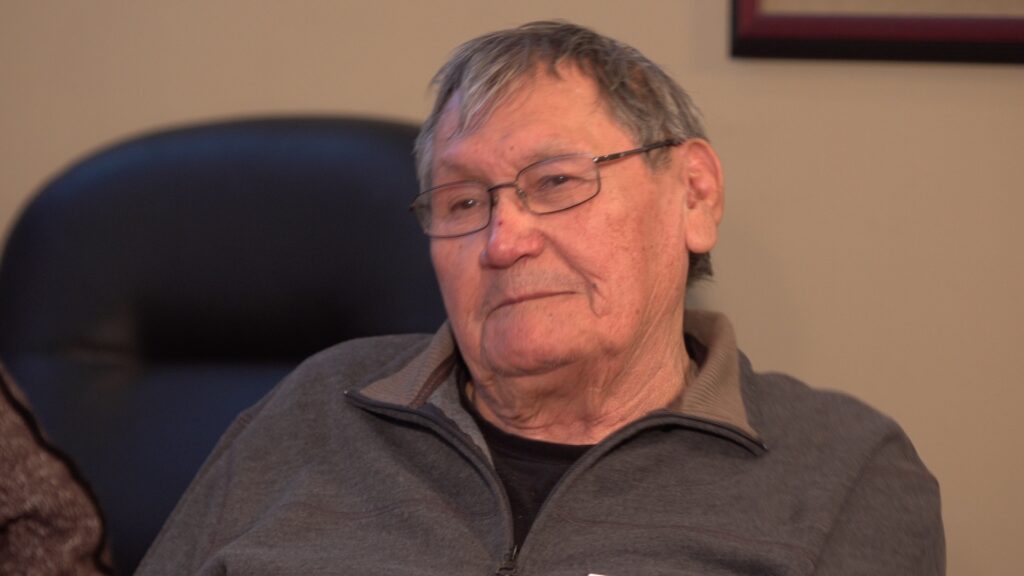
column 462, row 204
column 556, row 181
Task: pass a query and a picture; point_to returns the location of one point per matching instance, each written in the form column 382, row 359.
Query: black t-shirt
column 529, row 469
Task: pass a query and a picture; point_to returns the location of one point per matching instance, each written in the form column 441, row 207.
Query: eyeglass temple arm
column 647, row 148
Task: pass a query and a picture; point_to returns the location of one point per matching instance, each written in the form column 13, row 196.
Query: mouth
column 511, row 301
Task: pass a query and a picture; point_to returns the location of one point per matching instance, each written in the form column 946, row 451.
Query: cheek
column 603, row 252
column 632, row 257
column 458, row 278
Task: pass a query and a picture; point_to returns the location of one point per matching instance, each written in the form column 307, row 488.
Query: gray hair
column 484, row 71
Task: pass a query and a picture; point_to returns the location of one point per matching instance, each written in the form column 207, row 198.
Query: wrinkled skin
column 571, row 323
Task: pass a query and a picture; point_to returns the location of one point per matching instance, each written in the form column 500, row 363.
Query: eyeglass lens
column 547, row 186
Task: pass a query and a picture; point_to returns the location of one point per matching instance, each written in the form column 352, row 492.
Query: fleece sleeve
column 891, row 521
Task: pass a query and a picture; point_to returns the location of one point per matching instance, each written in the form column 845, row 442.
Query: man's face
column 532, row 293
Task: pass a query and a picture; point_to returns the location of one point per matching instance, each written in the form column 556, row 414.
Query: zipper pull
column 508, row 565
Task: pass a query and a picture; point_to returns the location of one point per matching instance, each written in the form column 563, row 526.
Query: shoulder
column 787, row 411
column 302, row 426
column 359, row 361
column 317, row 385
column 878, row 499
column 830, row 434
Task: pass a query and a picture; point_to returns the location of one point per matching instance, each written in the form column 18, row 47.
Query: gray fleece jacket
column 363, row 462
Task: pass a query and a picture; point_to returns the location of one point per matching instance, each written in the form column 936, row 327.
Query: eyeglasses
column 544, row 187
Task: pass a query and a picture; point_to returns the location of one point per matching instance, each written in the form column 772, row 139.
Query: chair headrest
column 263, row 238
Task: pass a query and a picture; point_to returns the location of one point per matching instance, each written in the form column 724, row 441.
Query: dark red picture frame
column 756, row 33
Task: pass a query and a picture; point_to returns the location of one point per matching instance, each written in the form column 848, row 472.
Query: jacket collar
column 713, row 395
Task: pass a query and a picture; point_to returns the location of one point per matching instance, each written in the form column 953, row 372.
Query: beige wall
column 872, row 239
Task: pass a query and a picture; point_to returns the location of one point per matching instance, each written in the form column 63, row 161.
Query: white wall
column 871, row 241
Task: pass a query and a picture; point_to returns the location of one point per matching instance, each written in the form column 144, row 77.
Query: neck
column 584, row 402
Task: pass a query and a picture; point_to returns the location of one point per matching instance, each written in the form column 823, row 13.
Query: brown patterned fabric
column 49, row 521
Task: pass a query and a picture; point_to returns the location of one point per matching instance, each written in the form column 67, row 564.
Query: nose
column 512, row 233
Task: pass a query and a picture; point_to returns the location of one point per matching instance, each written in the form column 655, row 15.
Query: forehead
column 542, row 115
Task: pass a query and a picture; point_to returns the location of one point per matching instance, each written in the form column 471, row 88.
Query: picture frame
column 761, row 30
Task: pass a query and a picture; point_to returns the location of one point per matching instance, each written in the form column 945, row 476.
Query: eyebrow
column 548, row 150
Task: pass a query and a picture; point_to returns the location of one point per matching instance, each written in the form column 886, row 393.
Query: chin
column 526, row 350
column 516, row 365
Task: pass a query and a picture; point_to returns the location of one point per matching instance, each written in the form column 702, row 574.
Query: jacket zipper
column 608, row 444
column 509, row 565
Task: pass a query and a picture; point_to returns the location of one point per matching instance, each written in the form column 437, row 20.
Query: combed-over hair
column 639, row 95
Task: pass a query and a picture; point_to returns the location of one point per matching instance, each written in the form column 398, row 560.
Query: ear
column 704, row 185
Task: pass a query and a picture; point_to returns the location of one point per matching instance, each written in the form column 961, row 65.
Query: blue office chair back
column 156, row 288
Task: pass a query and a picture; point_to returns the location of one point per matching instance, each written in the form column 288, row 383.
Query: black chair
column 157, row 288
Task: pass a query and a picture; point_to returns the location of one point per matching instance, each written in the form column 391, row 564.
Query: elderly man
column 571, row 417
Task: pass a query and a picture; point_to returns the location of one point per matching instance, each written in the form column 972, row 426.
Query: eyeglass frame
column 490, row 190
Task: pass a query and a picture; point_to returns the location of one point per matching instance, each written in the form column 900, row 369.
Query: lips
column 511, row 300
